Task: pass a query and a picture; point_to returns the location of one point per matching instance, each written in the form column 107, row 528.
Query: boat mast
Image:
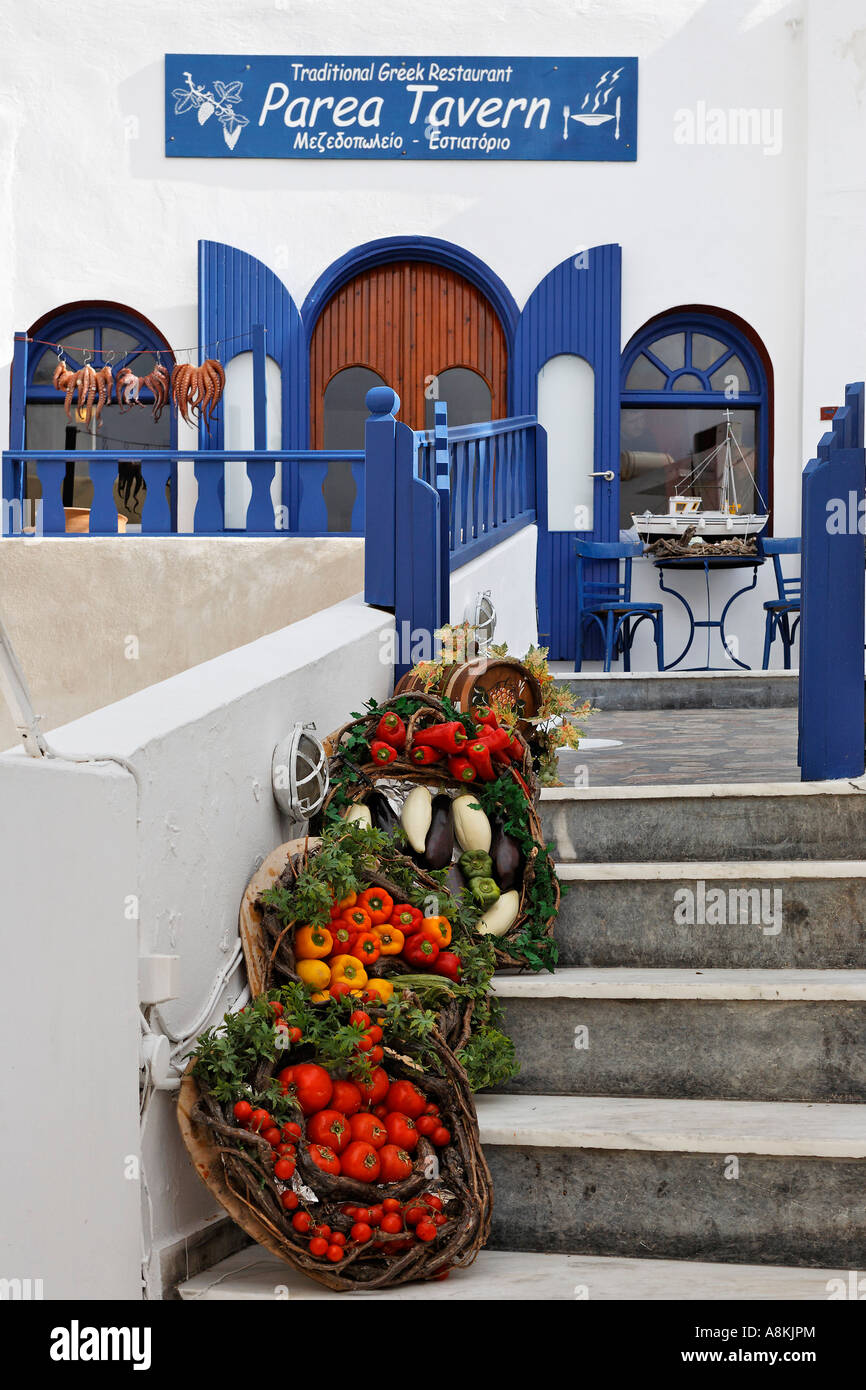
column 729, row 486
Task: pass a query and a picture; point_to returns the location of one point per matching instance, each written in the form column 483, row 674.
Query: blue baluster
column 156, row 517
column 51, row 516
column 260, row 512
column 313, row 510
column 103, row 508
column 209, row 518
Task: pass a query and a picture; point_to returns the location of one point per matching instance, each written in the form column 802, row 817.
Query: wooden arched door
column 415, row 325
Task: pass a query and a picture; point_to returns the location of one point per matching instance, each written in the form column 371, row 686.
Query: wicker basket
column 236, row 1166
column 398, row 777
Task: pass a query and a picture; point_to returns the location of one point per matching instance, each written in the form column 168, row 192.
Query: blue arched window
column 100, row 333
column 680, row 374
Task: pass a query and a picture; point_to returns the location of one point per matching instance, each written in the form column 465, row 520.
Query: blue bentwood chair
column 783, row 613
column 608, row 605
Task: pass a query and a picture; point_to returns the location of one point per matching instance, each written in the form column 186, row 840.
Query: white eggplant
column 416, row 816
column 501, row 917
column 471, row 826
column 358, row 812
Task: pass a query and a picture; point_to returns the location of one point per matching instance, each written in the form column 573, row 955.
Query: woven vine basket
column 397, row 778
column 236, row 1165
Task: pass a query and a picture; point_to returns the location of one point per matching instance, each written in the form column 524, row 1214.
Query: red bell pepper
column 420, row 951
column 448, row 738
column 448, row 964
column 461, row 770
column 391, row 729
column 382, row 752
column 406, row 918
column 425, row 755
column 478, row 753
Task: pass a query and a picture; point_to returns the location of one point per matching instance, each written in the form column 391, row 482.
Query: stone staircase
column 688, row 1121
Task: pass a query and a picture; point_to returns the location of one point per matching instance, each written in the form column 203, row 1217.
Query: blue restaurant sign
column 223, row 106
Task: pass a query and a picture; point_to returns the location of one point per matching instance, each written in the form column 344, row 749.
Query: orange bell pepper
column 391, row 939
column 348, row 970
column 313, row 943
column 437, row 930
column 357, row 918
column 377, row 903
column 366, row 948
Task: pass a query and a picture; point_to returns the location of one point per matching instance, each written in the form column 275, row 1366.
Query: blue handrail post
column 380, row 436
column 832, row 699
column 443, row 488
column 260, row 388
column 15, row 475
column 543, row 570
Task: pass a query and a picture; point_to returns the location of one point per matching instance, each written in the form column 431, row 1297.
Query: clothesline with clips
column 87, row 350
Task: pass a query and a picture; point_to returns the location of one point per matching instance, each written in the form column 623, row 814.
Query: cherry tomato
column 366, row 1126
column 337, row 1238
column 292, row 1131
column 259, row 1120
column 302, row 1221
column 374, row 1215
column 361, row 1232
column 391, row 1204
column 406, row 1098
column 313, row 1086
column 377, row 1088
column 242, row 1110
column 295, row 1035
column 272, row 1135
column 335, row 1253
column 330, row 1128
column 396, row 1163
column 361, row 1161
column 432, row 1200
column 318, row 1246
column 324, row 1158
column 431, row 1109
column 289, row 1200
column 414, row 1214
column 401, row 1131
column 440, row 1137
column 377, row 1055
column 284, row 1169
column 359, row 1019
column 425, row 1230
column 425, row 1124
column 376, row 1033
column 440, row 1219
column 365, row 1043
column 346, row 1098
column 392, row 1223
column 277, row 1008
column 322, row 1230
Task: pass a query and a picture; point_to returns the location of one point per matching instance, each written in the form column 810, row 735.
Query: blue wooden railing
column 832, row 703
column 303, row 510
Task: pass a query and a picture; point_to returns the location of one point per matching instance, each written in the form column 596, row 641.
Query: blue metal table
column 708, row 563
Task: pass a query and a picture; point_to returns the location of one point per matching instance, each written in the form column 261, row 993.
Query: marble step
column 686, row 690
column 792, row 1035
column 253, row 1274
column 716, row 821
column 751, row 914
column 775, row 1183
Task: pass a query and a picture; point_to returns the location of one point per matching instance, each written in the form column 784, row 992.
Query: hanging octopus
column 128, row 387
column 196, row 391
column 93, row 387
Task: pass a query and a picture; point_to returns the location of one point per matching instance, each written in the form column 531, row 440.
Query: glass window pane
column 706, row 350
column 45, row 367
column 688, row 382
column 644, row 376
column 469, row 398
column 345, row 408
column 121, row 343
column 662, row 451
column 732, row 374
column 671, row 349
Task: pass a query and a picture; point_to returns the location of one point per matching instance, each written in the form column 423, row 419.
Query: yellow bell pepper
column 383, row 988
column 348, row 970
column 312, row 943
column 320, row 998
column 314, row 973
column 391, row 939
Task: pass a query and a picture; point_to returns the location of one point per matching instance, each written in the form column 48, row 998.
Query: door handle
column 607, row 474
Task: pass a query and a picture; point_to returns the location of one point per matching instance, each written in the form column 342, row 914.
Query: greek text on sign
column 224, row 106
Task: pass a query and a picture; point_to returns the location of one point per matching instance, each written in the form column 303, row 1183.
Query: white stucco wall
column 712, row 224
column 508, row 572
column 201, row 744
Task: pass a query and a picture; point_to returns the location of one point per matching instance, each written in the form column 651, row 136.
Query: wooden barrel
column 473, row 683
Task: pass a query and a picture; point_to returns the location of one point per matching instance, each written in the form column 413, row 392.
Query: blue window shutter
column 235, row 292
column 575, row 309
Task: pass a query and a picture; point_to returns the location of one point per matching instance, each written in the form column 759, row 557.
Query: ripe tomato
column 376, row 1089
column 425, row 1230
column 259, row 1120
column 380, row 1111
column 431, row 1109
column 425, row 1124
column 361, row 1161
column 289, row 1200
column 302, row 1221
column 392, row 1223
column 414, row 1214
column 330, row 1128
column 365, row 1043
column 396, row 1163
column 242, row 1110
column 313, row 1085
column 318, row 1246
column 337, row 1238
column 391, row 1204
column 440, row 1137
column 292, row 1131
column 406, row 1098
column 361, row 1232
column 375, row 1033
column 432, row 1200
column 278, row 1009
column 401, row 1131
column 374, row 1215
column 324, row 1158
column 335, row 1253
column 272, row 1135
column 439, row 1218
column 285, row 1078
column 284, row 1169
column 365, row 1126
column 359, row 1019
column 346, row 1098
column 377, row 1054
column 295, row 1035
column 322, row 1230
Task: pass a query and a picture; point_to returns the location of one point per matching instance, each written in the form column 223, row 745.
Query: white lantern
column 299, row 773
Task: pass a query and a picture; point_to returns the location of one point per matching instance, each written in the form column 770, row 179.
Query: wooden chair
column 783, row 613
column 608, row 605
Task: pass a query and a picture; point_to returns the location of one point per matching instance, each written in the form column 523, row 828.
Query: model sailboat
column 685, row 511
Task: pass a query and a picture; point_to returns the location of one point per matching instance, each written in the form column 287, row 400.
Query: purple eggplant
column 507, row 859
column 439, row 845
